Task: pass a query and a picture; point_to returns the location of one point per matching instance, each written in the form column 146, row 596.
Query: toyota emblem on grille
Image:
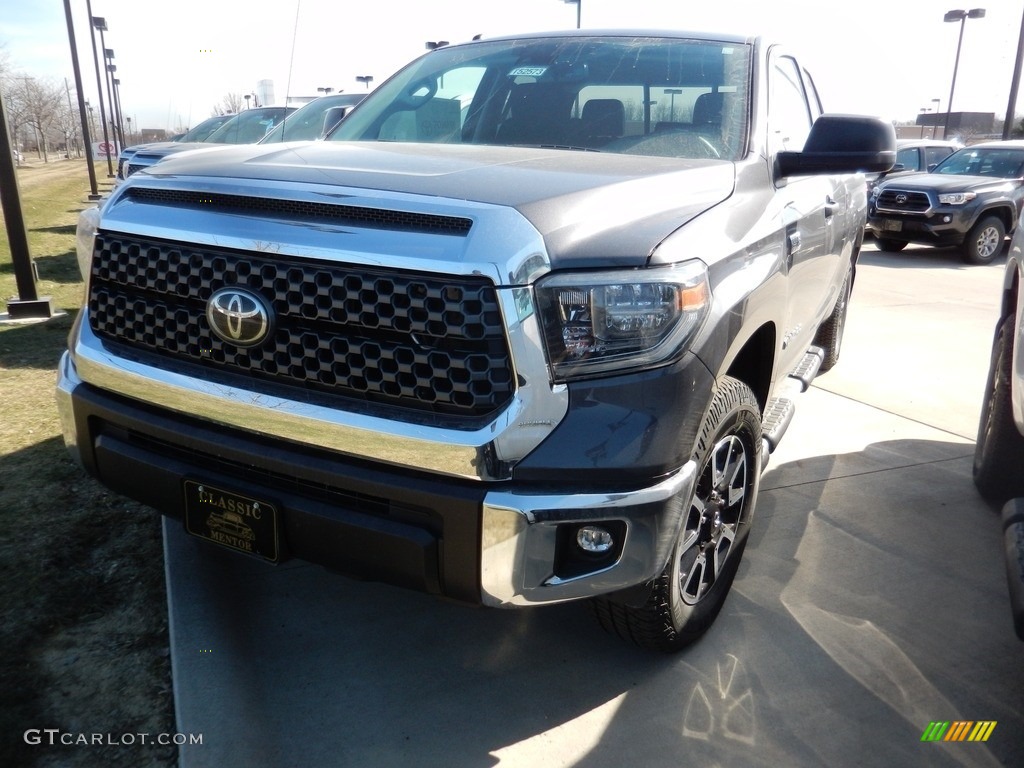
column 901, row 199
column 238, row 317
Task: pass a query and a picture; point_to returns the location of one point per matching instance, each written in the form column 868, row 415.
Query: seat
column 536, row 117
column 707, row 111
column 602, row 120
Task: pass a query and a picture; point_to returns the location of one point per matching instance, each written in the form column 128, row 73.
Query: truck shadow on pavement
column 870, row 602
column 915, row 256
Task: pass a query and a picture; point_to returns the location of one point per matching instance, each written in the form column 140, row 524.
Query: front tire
column 684, row 600
column 890, row 246
column 999, row 451
column 985, row 241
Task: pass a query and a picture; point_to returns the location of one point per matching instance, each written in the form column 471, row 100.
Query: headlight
column 600, row 322
column 956, row 198
column 85, row 235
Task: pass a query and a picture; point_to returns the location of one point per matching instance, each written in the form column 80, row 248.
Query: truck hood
column 940, row 182
column 165, row 148
column 595, row 209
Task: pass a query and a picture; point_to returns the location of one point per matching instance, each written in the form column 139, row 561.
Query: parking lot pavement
column 871, row 602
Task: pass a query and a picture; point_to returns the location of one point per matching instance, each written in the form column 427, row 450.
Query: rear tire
column 830, row 334
column 985, row 241
column 999, row 450
column 890, row 246
column 683, row 601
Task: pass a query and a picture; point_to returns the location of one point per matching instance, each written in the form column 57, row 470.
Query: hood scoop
column 354, row 215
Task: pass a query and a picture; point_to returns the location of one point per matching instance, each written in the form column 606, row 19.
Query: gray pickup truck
column 521, row 330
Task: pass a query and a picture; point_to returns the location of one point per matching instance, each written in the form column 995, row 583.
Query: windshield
column 647, row 96
column 999, row 162
column 249, row 126
column 314, row 119
column 203, row 131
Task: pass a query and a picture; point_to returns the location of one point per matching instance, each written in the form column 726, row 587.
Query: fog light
column 594, row 539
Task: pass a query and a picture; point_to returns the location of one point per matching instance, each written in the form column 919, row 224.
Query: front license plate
column 892, row 225
column 232, row 520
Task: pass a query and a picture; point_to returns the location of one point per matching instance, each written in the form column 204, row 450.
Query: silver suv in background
column 246, row 127
column 315, row 119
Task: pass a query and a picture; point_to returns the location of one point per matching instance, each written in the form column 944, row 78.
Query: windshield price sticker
column 527, row 71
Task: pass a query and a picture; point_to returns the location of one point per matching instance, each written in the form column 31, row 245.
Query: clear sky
column 177, row 59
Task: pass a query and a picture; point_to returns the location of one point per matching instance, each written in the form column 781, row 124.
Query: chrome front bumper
column 518, row 546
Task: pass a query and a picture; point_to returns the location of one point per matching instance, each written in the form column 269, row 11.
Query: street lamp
column 365, row 79
column 82, row 103
column 325, row 91
column 247, row 97
column 115, row 83
column 579, row 9
column 673, row 92
column 962, row 17
column 923, row 123
column 129, row 119
column 432, row 45
column 99, row 23
column 108, row 54
column 117, row 104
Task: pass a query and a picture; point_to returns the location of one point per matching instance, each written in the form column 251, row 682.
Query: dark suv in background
column 913, row 155
column 972, row 199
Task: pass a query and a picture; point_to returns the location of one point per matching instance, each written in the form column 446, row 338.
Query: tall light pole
column 98, row 22
column 325, row 91
column 673, row 92
column 106, row 79
column 365, row 79
column 82, row 103
column 92, row 119
column 579, row 10
column 1011, row 106
column 962, row 17
column 116, row 99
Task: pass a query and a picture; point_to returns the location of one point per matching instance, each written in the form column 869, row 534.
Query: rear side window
column 935, row 155
column 909, row 158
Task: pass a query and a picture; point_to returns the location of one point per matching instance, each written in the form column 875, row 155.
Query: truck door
column 813, row 209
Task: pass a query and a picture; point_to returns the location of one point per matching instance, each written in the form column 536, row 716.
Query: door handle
column 794, row 241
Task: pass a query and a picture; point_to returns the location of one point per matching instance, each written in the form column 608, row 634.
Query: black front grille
column 903, row 201
column 411, row 340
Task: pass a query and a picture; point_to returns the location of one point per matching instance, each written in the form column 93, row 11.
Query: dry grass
column 83, row 634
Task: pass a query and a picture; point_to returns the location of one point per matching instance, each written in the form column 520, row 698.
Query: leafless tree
column 67, row 121
column 38, row 103
column 230, row 105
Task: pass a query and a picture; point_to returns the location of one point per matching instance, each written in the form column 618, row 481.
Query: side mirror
column 332, row 117
column 842, row 144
